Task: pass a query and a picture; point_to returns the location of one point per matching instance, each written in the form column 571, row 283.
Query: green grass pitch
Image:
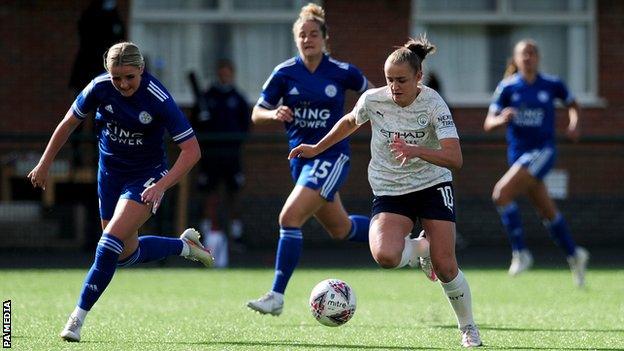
column 201, row 309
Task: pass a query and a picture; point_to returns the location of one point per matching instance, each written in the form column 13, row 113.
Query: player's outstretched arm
column 496, row 120
column 345, row 127
column 574, row 127
column 261, row 115
column 39, row 175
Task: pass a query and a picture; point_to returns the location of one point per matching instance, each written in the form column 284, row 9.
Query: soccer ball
column 332, row 302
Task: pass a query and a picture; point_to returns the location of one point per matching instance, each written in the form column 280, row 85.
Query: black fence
column 586, row 181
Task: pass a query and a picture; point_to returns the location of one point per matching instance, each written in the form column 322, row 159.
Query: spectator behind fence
column 222, row 128
column 414, row 146
column 311, row 88
column 133, row 111
column 99, row 27
column 524, row 103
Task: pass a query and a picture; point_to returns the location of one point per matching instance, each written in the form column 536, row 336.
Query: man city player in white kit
column 414, row 144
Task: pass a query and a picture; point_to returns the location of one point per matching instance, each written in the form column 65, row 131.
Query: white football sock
column 408, row 253
column 458, row 293
column 80, row 313
column 413, row 248
column 186, row 250
column 278, row 296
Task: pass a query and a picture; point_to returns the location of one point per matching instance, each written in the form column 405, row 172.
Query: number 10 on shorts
column 447, row 196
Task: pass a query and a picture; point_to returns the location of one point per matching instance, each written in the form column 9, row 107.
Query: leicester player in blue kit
column 524, row 102
column 312, row 89
column 133, row 110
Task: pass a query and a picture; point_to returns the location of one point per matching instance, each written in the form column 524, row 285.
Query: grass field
column 194, row 309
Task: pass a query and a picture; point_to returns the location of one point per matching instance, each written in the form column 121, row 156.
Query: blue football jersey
column 316, row 99
column 130, row 130
column 534, row 124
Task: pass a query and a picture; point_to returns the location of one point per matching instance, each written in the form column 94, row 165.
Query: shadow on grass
column 489, row 327
column 296, row 345
column 289, row 344
column 492, row 347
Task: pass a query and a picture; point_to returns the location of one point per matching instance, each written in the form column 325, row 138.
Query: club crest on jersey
column 542, row 96
column 331, row 90
column 515, row 97
column 145, row 117
column 422, row 120
column 109, row 108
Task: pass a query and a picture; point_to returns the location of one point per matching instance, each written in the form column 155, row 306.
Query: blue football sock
column 106, row 254
column 359, row 228
column 288, row 252
column 153, row 248
column 561, row 234
column 510, row 217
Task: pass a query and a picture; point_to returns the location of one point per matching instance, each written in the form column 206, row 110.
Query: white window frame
column 503, row 15
column 225, row 13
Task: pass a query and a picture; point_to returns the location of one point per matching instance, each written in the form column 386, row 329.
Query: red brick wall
column 39, row 40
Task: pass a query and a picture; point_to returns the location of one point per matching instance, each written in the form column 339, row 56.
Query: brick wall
column 39, row 40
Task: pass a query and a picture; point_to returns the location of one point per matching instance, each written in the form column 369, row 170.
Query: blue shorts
column 537, row 161
column 325, row 173
column 436, row 202
column 114, row 186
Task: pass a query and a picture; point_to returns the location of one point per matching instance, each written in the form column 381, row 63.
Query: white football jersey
column 424, row 122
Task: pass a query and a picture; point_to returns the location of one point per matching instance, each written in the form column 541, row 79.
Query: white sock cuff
column 279, row 296
column 421, row 246
column 186, row 250
column 407, row 253
column 454, row 284
column 80, row 313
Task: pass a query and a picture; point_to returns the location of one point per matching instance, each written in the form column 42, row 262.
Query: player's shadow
column 494, row 347
column 312, row 346
column 289, row 344
column 505, row 347
column 489, row 327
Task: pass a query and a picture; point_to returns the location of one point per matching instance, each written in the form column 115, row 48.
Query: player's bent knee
column 446, row 272
column 337, row 233
column 386, row 260
column 500, row 197
column 288, row 220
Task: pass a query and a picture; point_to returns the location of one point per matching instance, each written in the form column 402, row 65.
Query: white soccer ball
column 332, row 302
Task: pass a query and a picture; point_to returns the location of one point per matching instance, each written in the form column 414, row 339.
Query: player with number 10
column 414, row 144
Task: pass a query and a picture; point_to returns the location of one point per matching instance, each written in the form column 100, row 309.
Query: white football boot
column 470, row 336
column 427, row 267
column 425, row 262
column 270, row 303
column 520, row 262
column 197, row 252
column 71, row 332
column 578, row 265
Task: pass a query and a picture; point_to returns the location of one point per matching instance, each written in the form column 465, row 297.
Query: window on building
column 475, row 39
column 192, row 35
